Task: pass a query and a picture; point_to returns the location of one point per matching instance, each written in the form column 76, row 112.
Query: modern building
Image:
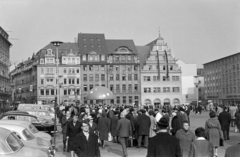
column 160, row 75
column 5, row 92
column 222, row 80
column 189, row 75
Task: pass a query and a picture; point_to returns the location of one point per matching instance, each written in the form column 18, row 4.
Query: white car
column 11, row 146
column 31, row 128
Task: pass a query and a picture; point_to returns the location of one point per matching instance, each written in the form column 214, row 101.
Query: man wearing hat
column 163, row 144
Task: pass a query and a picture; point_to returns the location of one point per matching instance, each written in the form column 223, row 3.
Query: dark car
column 40, row 123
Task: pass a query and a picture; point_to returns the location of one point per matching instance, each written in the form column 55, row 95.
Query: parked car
column 41, row 114
column 37, row 107
column 12, row 146
column 40, row 123
column 31, row 128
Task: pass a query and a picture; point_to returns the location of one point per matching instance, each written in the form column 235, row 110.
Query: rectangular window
column 155, row 78
column 96, row 77
column 135, row 77
column 117, row 68
column 102, row 67
column 85, row 89
column 111, row 67
column 102, row 77
column 117, row 77
column 124, row 99
column 90, row 77
column 77, row 80
column 135, row 87
column 65, row 92
column 117, row 88
column 130, row 99
column 111, row 77
column 129, row 77
column 84, row 77
column 90, row 68
column 175, row 78
column 103, row 85
column 69, row 81
column 73, row 80
column 96, row 67
column 84, row 67
column 42, row 91
column 175, row 89
column 166, row 78
column 129, row 68
column 111, row 87
column 147, row 90
column 42, row 70
column 156, row 89
column 90, row 86
column 129, row 88
column 135, row 68
column 64, row 70
column 65, row 81
column 123, row 77
column 123, row 88
column 166, row 89
column 47, row 91
column 52, row 91
column 118, row 100
column 147, row 78
column 42, row 81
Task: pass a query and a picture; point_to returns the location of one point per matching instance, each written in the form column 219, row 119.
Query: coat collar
column 184, row 132
column 84, row 137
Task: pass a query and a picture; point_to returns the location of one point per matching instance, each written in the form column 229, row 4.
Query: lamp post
column 197, row 82
column 56, row 44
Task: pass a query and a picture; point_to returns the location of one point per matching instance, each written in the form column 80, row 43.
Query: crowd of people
column 163, row 132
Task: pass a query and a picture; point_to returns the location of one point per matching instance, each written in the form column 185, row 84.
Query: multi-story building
column 67, row 72
column 222, row 80
column 123, row 72
column 5, row 93
column 24, row 81
column 156, row 88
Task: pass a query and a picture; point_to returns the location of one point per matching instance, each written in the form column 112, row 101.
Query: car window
column 28, row 134
column 36, row 107
column 14, row 143
column 23, row 118
column 33, row 129
column 17, row 134
column 34, row 120
column 40, row 113
column 32, row 113
column 3, row 148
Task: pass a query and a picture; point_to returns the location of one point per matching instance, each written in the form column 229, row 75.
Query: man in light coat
column 124, row 131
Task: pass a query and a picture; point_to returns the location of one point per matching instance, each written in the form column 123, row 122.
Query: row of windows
column 54, row 91
column 118, row 100
column 123, row 68
column 118, row 77
column 155, row 78
column 158, row 90
column 115, row 88
column 65, row 70
column 65, row 81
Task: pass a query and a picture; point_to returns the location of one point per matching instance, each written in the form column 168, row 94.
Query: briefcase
column 221, row 142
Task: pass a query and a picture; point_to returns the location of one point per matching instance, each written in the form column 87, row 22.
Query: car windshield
column 28, row 134
column 40, row 113
column 33, row 129
column 14, row 142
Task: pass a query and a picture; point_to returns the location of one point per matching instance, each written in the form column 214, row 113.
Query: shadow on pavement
column 115, row 151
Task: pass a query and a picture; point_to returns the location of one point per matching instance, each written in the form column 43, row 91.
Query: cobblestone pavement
column 115, row 150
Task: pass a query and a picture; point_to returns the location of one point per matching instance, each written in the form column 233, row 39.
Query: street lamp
column 197, row 82
column 56, row 44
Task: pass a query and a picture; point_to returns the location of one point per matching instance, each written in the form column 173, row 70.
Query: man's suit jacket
column 72, row 130
column 144, row 124
column 86, row 148
column 124, row 128
column 225, row 120
column 233, row 151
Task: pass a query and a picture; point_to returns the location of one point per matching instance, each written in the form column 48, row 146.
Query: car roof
column 37, row 110
column 15, row 122
column 18, row 114
column 4, row 133
column 13, row 127
column 17, row 111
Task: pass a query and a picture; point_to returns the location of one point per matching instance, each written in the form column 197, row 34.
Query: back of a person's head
column 200, row 132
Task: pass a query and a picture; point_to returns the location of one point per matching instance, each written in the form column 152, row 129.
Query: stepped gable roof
column 143, row 53
column 92, row 42
column 121, row 46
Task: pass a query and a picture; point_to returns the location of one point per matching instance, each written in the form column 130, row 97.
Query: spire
column 159, row 38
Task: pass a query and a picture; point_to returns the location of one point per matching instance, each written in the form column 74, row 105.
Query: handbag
column 221, row 142
column 110, row 138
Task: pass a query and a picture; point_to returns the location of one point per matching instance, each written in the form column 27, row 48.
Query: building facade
column 5, row 92
column 222, row 80
column 156, row 88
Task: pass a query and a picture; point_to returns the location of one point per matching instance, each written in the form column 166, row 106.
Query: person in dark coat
column 103, row 128
column 163, row 144
column 124, row 131
column 86, row 143
column 64, row 123
column 93, row 128
column 233, row 151
column 213, row 131
column 73, row 128
column 113, row 126
column 225, row 120
column 130, row 117
column 201, row 147
column 181, row 116
column 144, row 124
column 237, row 120
column 175, row 124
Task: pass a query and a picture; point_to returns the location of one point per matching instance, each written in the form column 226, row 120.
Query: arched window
column 176, row 102
column 147, row 102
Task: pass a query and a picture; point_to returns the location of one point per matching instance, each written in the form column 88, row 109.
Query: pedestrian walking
column 64, row 122
column 73, row 128
column 225, row 120
column 124, row 131
column 237, row 115
column 213, row 131
column 185, row 137
column 233, row 151
column 113, row 125
column 103, row 128
column 144, row 124
column 86, row 143
column 175, row 125
column 201, row 147
column 152, row 128
column 163, row 144
column 93, row 128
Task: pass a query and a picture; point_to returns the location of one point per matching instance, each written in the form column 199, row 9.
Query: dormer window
column 102, row 57
column 49, row 52
column 41, row 61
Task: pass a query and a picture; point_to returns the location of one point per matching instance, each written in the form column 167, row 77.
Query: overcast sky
column 197, row 31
